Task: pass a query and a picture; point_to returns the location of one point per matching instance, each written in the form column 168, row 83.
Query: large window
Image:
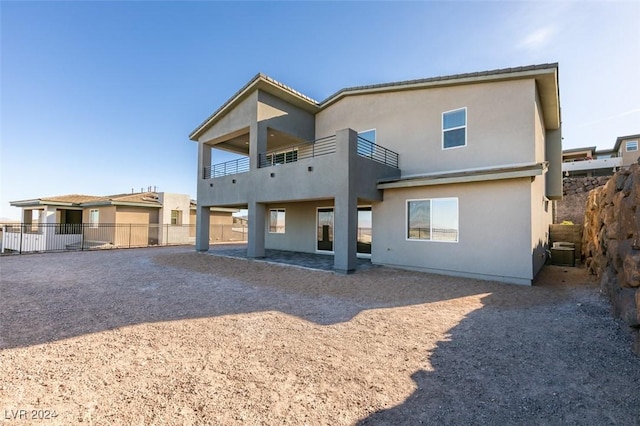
column 632, row 146
column 276, row 221
column 454, row 128
column 94, row 218
column 433, row 219
column 176, row 217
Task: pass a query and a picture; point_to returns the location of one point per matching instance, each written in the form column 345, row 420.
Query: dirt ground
column 171, row 336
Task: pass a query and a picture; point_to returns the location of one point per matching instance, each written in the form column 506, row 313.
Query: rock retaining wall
column 611, row 244
column 575, row 192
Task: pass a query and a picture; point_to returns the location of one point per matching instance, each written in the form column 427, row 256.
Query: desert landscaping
column 171, row 336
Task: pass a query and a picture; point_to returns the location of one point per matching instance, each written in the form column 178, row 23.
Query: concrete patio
column 322, row 262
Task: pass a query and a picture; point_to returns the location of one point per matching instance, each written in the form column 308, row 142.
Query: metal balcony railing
column 377, row 153
column 294, row 153
column 297, row 152
column 232, row 167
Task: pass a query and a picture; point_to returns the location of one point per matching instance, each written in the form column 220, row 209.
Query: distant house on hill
column 588, row 161
column 121, row 220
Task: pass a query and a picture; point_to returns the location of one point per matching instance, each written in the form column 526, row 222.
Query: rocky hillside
column 611, row 244
column 574, row 197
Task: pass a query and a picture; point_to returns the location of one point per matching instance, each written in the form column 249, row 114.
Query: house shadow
column 572, row 366
column 54, row 296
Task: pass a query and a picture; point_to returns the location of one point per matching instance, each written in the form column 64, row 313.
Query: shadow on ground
column 53, row 296
column 572, row 367
column 554, row 346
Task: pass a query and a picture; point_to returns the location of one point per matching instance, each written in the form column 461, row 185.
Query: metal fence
column 28, row 238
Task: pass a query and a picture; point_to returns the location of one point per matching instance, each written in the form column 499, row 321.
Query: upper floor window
column 632, row 146
column 176, row 217
column 454, row 128
column 94, row 218
column 276, row 221
column 433, row 219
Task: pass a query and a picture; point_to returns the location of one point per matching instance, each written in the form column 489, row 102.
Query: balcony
column 586, row 165
column 295, row 153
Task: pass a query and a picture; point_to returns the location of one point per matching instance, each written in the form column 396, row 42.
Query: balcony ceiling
column 238, row 142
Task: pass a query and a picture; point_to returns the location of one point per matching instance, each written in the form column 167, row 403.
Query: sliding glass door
column 324, row 230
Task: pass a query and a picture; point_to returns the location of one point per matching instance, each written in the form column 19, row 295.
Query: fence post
column 129, row 235
column 82, row 237
column 4, row 234
column 22, row 229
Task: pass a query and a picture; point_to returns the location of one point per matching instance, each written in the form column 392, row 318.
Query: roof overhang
column 259, row 82
column 39, row 203
column 120, row 203
column 465, row 176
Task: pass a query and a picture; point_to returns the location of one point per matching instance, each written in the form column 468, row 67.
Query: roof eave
column 474, row 175
column 259, row 82
column 38, row 202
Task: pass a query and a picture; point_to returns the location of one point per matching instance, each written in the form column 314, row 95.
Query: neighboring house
column 452, row 175
column 122, row 220
column 588, row 161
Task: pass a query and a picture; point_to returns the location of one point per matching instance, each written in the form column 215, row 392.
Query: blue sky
column 100, row 97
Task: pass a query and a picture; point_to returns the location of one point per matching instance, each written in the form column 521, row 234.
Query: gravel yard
column 171, row 336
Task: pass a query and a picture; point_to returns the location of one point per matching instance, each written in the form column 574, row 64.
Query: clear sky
column 99, row 97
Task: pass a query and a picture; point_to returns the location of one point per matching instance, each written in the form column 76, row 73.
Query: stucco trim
column 465, row 176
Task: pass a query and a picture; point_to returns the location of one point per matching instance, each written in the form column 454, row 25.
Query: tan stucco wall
column 136, row 215
column 494, row 231
column 220, row 218
column 107, row 214
column 170, row 201
column 500, row 124
column 629, row 158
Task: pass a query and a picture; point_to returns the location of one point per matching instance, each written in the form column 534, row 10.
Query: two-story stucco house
column 452, row 175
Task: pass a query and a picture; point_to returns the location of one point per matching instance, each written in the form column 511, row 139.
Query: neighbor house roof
column 619, row 140
column 142, row 199
column 546, row 76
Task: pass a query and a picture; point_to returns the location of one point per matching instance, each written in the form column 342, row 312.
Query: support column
column 203, row 216
column 204, row 160
column 345, row 230
column 257, row 143
column 255, row 240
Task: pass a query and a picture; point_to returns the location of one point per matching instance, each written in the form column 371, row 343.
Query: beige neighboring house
column 122, row 220
column 453, row 174
column 588, row 161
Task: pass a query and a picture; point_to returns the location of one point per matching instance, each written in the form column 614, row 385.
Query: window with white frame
column 631, row 146
column 454, row 128
column 276, row 221
column 433, row 219
column 94, row 218
column 176, row 217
